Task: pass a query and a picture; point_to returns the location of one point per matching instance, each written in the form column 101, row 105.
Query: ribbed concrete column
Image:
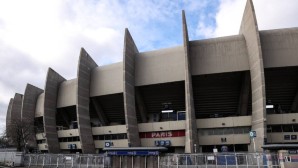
column 129, row 53
column 16, row 109
column 8, row 115
column 85, row 66
column 50, row 103
column 191, row 137
column 28, row 110
column 249, row 29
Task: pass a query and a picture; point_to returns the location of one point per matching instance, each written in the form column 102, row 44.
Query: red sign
column 162, row 134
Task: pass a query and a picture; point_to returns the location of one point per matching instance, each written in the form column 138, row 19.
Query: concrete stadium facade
column 215, row 92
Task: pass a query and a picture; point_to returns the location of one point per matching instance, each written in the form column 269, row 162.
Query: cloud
column 35, row 35
column 271, row 14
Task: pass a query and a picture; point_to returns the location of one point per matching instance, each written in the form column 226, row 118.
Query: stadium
column 199, row 96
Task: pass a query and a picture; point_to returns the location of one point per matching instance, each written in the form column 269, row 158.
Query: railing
column 220, row 160
column 67, row 161
column 225, row 160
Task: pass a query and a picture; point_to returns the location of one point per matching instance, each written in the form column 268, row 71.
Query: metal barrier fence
column 67, row 161
column 220, row 160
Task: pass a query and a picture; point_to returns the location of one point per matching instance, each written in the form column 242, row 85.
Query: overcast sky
column 37, row 34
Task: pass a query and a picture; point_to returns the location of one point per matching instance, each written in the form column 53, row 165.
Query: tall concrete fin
column 14, row 112
column 191, row 137
column 28, row 110
column 85, row 66
column 8, row 115
column 16, row 109
column 53, row 82
column 249, row 29
column 129, row 52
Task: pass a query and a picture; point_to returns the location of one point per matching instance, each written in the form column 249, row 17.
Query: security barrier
column 220, row 160
column 211, row 160
column 67, row 161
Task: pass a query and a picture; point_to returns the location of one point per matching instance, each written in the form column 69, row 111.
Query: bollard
column 236, row 160
column 43, row 160
column 71, row 161
column 226, row 161
column 145, row 162
column 57, row 161
column 206, row 161
column 246, row 161
column 29, row 161
column 87, row 161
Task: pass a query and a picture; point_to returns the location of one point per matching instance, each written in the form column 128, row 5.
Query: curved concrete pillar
column 16, row 109
column 28, row 110
column 85, row 66
column 249, row 29
column 129, row 52
column 191, row 137
column 8, row 115
column 50, row 104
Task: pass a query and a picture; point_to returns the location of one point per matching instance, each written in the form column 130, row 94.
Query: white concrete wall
column 68, row 133
column 39, row 111
column 116, row 143
column 116, row 129
column 288, row 118
column 224, row 54
column 279, row 47
column 224, row 122
column 40, row 136
column 43, row 146
column 162, row 126
column 159, row 66
column 107, row 80
column 231, row 139
column 67, row 93
column 64, row 145
column 278, row 137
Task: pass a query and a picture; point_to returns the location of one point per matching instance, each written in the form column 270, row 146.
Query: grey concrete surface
column 107, row 79
column 39, row 110
column 130, row 51
column 16, row 108
column 85, row 66
column 67, row 93
column 191, row 137
column 53, row 81
column 279, row 47
column 249, row 29
column 8, row 114
column 28, row 109
column 218, row 55
column 157, row 66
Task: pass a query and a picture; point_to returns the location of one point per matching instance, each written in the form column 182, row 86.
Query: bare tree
column 19, row 133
